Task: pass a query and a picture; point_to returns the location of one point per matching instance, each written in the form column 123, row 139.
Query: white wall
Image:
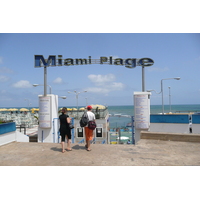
column 169, row 127
column 196, row 128
column 14, row 136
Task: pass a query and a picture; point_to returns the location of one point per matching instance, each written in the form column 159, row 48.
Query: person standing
column 65, row 131
column 89, row 132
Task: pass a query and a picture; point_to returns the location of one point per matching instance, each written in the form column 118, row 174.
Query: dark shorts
column 63, row 135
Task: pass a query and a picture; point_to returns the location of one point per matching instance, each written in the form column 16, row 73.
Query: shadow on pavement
column 78, row 147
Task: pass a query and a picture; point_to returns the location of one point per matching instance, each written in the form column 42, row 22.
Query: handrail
column 103, row 142
column 82, row 141
column 94, row 140
column 54, row 135
column 22, row 126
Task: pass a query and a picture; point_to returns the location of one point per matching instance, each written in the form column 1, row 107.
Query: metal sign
column 40, row 61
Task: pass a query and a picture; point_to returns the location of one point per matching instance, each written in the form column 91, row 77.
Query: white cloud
column 104, row 83
column 101, row 79
column 58, row 80
column 3, row 78
column 22, row 84
column 5, row 69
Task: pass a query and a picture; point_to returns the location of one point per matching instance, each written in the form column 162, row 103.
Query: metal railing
column 82, row 141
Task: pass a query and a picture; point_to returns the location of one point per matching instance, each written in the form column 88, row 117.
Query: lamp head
column 35, row 85
column 177, row 78
column 63, row 97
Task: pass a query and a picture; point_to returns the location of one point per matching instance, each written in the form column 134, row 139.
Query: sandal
column 69, row 149
column 86, row 146
column 89, row 149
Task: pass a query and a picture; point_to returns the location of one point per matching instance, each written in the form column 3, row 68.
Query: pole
column 169, row 101
column 77, row 104
column 162, row 97
column 143, row 79
column 45, row 81
column 132, row 125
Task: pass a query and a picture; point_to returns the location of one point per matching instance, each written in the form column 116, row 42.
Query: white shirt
column 91, row 115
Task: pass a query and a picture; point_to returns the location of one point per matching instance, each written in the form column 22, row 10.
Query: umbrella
column 12, row 109
column 123, row 138
column 99, row 106
column 83, row 108
column 24, row 109
column 3, row 109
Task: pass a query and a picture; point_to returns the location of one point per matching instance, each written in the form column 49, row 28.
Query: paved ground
column 145, row 153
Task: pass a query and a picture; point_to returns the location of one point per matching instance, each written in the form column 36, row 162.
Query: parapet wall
column 175, row 123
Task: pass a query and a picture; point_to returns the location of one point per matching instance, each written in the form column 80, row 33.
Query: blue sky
column 166, row 32
column 174, row 55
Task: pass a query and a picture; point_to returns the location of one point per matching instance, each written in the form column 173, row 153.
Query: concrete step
column 181, row 137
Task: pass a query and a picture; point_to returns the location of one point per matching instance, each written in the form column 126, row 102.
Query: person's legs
column 68, row 144
column 63, row 143
column 88, row 145
column 89, row 137
column 86, row 133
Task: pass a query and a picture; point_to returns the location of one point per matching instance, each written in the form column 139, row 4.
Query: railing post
column 133, row 134
column 72, row 130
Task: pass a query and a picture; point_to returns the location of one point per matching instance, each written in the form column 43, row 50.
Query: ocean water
column 119, row 114
column 117, row 118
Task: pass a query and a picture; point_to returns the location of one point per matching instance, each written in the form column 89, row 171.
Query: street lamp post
column 77, row 93
column 176, row 78
column 169, row 99
column 35, row 85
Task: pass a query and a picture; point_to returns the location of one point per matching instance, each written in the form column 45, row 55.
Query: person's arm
column 68, row 120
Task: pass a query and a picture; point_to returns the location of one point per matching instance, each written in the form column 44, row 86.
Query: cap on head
column 89, row 107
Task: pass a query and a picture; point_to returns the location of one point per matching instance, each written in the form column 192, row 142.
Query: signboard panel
column 45, row 112
column 141, row 111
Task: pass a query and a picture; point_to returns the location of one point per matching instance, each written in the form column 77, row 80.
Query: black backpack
column 84, row 120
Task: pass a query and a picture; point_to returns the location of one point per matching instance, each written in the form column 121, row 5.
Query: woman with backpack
column 89, row 132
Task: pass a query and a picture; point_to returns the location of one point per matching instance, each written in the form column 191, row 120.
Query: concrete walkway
column 145, row 153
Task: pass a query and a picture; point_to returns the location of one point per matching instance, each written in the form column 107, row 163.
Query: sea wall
column 175, row 123
column 196, row 124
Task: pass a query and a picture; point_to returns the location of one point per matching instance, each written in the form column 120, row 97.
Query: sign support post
column 143, row 79
column 45, row 81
